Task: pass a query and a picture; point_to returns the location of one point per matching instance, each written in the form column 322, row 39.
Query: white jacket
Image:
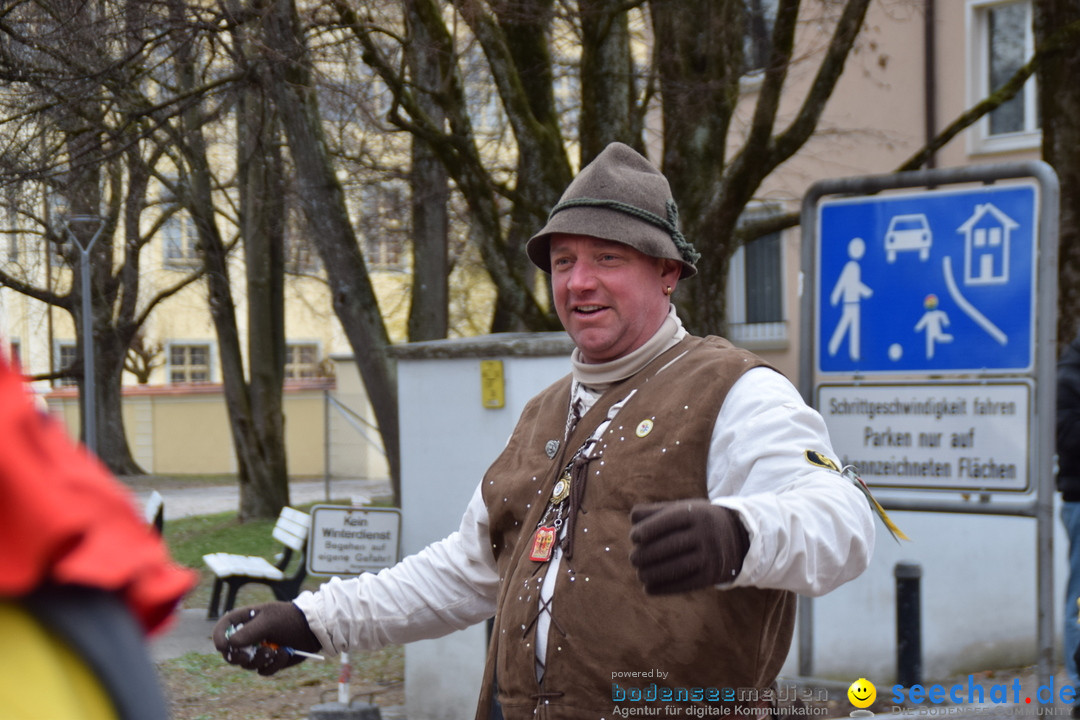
column 810, row 530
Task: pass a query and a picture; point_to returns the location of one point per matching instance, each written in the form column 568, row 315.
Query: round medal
column 561, row 489
column 644, row 428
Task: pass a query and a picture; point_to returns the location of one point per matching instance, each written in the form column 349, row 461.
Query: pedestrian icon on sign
column 850, row 289
column 933, row 323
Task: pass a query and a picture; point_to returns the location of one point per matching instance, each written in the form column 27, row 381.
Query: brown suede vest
column 609, row 642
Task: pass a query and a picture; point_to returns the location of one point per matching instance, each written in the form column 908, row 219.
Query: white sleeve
column 810, row 529
column 447, row 586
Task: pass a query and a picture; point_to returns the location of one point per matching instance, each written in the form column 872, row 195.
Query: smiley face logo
column 862, row 693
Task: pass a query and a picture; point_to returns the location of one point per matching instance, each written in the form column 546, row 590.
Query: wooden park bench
column 236, row 571
column 154, row 511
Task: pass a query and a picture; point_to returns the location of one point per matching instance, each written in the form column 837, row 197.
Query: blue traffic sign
column 933, row 282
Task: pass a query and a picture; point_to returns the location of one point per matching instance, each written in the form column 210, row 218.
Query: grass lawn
column 204, row 687
column 191, row 538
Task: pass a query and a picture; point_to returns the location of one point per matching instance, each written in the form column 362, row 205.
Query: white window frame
column 301, row 255
column 293, row 367
column 186, row 236
column 754, row 75
column 385, row 249
column 170, row 367
column 760, row 335
column 980, row 141
column 59, row 346
column 11, row 231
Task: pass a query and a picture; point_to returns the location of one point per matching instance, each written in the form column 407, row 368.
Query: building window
column 301, row 257
column 301, row 360
column 1001, row 42
column 189, row 363
column 11, row 229
column 755, row 294
column 66, row 356
column 757, row 42
column 383, row 252
column 180, row 241
column 16, row 354
column 383, row 225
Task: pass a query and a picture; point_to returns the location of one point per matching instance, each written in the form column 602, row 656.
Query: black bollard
column 908, row 623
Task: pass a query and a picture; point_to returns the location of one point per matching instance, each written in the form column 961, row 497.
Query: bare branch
column 1062, row 38
column 832, row 65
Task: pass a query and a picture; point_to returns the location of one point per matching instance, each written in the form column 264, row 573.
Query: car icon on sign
column 908, row 232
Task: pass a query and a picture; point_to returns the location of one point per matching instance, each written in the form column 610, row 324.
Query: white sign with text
column 349, row 540
column 968, row 437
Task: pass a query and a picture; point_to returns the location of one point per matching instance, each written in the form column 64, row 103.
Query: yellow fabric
column 41, row 678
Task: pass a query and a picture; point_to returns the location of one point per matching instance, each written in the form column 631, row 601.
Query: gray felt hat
column 619, row 196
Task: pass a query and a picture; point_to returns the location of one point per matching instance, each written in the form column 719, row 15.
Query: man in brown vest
column 685, row 494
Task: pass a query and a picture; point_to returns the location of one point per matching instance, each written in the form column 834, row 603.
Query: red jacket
column 65, row 520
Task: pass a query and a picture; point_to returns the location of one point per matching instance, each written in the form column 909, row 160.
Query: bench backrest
column 292, row 528
column 154, row 510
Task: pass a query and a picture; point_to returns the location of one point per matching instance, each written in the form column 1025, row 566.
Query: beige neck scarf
column 598, row 376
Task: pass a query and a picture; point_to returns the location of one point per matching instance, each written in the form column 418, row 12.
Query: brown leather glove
column 263, row 636
column 685, row 545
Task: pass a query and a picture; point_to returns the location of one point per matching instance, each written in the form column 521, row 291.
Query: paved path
column 186, row 502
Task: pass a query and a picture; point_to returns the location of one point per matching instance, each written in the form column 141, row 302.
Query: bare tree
column 323, row 202
column 143, row 357
column 698, row 63
column 501, row 99
column 1057, row 29
column 73, row 131
column 428, row 67
column 254, row 399
column 700, row 60
column 129, row 100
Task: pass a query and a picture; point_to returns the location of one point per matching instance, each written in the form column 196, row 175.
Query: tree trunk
column 517, row 48
column 113, row 447
column 262, row 224
column 259, row 449
column 323, row 200
column 699, row 46
column 699, row 59
column 84, row 195
column 1059, row 105
column 608, row 95
column 263, row 486
column 430, row 300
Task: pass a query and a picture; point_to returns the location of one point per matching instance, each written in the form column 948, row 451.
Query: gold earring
column 668, row 290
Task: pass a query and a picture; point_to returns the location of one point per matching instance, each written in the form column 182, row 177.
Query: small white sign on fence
column 348, row 540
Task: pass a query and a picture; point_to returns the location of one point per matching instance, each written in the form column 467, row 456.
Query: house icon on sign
column 986, row 246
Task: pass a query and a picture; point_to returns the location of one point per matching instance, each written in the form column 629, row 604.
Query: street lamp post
column 89, row 388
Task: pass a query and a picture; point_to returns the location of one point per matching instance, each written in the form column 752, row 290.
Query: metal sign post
column 89, row 388
column 348, row 540
column 928, row 334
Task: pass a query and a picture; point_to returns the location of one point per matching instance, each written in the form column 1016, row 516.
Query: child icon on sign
column 849, row 288
column 933, row 322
